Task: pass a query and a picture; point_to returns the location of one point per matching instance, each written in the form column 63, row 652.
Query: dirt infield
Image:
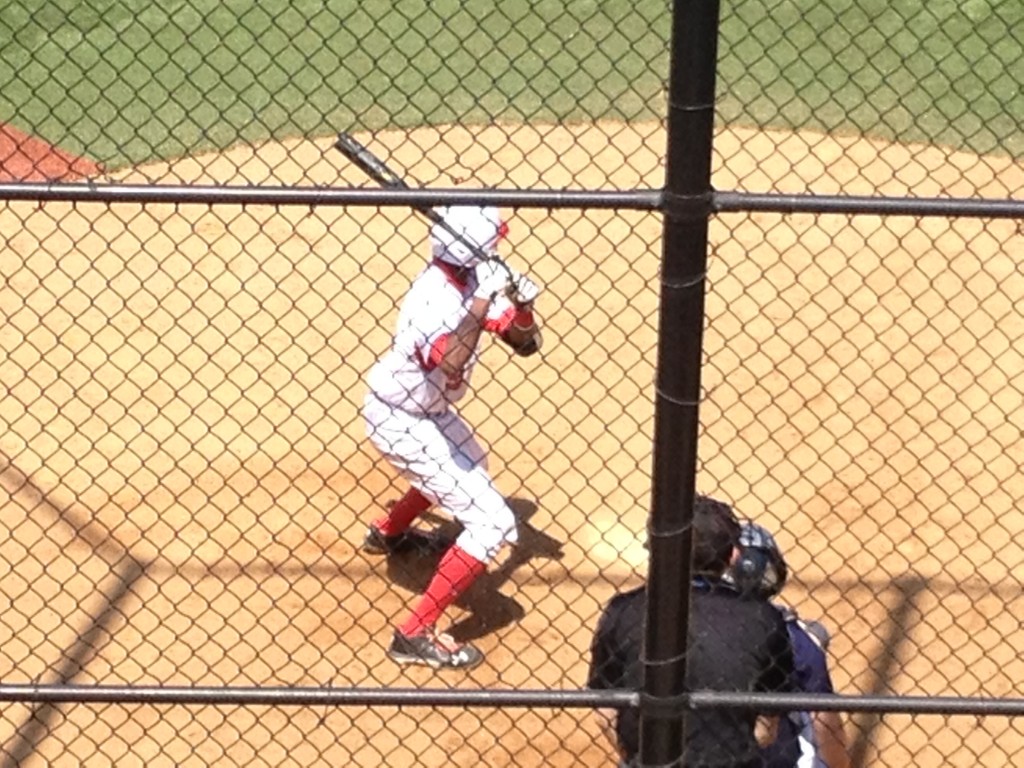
column 185, row 481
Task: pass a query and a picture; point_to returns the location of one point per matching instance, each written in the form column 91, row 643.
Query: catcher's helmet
column 480, row 226
column 759, row 569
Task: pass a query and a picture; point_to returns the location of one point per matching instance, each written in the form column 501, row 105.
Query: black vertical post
column 686, row 206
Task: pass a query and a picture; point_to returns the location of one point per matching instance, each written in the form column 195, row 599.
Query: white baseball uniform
column 409, row 418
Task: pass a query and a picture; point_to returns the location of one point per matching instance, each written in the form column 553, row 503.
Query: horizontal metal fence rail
column 644, row 200
column 640, row 199
column 300, row 696
column 736, row 202
column 971, row 706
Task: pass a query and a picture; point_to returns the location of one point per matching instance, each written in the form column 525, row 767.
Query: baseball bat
column 378, row 170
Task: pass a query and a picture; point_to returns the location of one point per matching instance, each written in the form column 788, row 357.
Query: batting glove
column 524, row 290
column 491, row 279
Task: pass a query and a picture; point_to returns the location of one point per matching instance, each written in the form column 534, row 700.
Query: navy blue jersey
column 796, row 745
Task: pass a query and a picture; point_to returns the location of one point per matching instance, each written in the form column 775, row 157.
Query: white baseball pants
column 441, row 458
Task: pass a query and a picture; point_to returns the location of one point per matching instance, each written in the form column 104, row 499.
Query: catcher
column 811, row 739
column 410, row 420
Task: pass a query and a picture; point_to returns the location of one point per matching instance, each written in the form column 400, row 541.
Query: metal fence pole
column 684, row 261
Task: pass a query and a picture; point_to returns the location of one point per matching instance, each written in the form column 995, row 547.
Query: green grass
column 125, row 82
column 133, row 80
column 939, row 72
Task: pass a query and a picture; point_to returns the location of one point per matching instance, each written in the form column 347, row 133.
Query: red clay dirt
column 28, row 158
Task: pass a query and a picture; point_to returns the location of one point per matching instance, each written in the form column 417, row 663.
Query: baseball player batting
column 464, row 291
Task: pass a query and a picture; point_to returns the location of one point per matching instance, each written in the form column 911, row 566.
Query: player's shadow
column 488, row 608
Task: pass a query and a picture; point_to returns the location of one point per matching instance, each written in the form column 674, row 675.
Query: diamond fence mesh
column 185, row 480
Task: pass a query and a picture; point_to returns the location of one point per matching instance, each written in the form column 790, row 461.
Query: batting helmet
column 759, row 569
column 463, row 225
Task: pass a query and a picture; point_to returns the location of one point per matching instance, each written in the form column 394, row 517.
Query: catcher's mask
column 480, row 226
column 759, row 569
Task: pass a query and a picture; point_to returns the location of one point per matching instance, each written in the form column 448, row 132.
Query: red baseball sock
column 456, row 571
column 402, row 513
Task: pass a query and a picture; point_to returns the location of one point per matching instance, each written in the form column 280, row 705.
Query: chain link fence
column 184, row 476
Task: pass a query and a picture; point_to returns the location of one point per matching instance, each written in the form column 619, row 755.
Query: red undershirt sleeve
column 520, row 317
column 434, row 354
